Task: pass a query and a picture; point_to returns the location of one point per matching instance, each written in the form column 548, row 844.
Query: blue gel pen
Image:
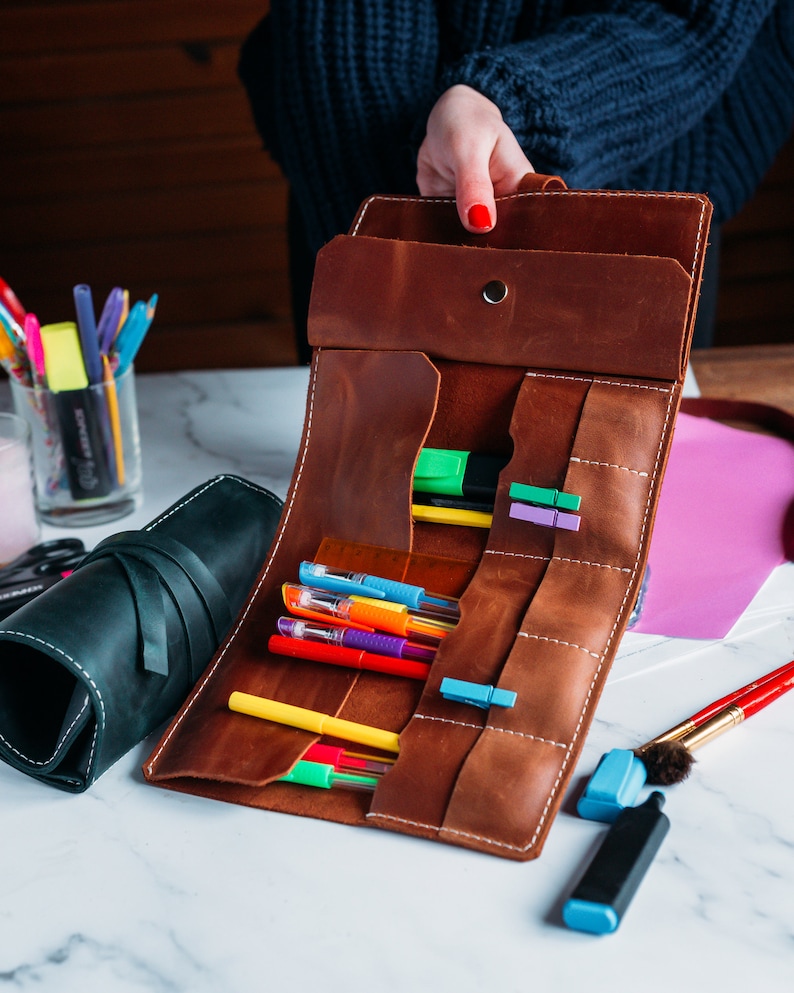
column 324, row 577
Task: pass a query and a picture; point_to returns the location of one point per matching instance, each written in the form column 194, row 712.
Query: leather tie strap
column 156, row 568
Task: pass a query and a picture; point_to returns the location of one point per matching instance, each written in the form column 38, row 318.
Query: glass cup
column 86, row 450
column 19, row 525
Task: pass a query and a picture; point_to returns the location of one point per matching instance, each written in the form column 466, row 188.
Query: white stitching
column 446, row 720
column 210, row 483
column 557, row 641
column 598, row 382
column 609, row 465
column 41, row 641
column 530, row 737
column 557, row 558
column 490, row 727
column 300, row 466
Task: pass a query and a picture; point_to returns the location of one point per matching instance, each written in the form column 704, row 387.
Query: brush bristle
column 666, row 763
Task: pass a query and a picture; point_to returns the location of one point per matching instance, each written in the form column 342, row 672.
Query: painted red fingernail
column 479, row 216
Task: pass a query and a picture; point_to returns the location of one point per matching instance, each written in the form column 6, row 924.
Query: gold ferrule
column 672, row 735
column 712, row 728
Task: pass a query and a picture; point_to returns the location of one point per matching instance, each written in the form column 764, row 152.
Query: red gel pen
column 345, row 761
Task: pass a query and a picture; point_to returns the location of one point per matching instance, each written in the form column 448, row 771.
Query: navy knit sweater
column 693, row 95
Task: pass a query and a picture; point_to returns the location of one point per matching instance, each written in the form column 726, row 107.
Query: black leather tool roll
column 97, row 662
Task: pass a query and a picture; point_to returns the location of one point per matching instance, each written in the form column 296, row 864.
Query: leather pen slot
column 561, row 657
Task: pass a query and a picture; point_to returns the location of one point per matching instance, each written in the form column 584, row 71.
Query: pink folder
column 719, row 525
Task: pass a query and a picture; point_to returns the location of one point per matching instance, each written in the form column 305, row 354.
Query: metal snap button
column 494, row 292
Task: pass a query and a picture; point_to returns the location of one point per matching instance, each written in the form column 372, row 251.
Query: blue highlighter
column 615, row 785
column 601, row 897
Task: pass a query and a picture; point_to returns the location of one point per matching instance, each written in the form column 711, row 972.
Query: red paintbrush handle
column 766, row 693
column 772, row 678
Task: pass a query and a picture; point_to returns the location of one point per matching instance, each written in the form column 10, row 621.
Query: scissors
column 36, row 570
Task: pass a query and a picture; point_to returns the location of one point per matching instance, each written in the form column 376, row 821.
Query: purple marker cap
column 545, row 516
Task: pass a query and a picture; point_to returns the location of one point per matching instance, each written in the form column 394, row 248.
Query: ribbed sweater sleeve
column 727, row 153
column 348, row 81
column 602, row 90
column 652, row 94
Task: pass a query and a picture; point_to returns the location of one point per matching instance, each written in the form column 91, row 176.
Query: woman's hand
column 470, row 153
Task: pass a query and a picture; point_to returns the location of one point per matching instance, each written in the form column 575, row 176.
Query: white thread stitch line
column 445, row 720
column 404, row 820
column 610, row 465
column 530, row 737
column 557, row 558
column 58, row 747
column 518, row 555
column 100, row 721
column 207, row 486
column 273, row 552
column 490, row 727
column 597, row 382
column 557, row 641
column 436, row 829
column 637, row 194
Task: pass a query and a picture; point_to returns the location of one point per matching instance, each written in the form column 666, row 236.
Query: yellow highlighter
column 80, row 412
column 63, row 357
column 451, row 515
column 312, row 720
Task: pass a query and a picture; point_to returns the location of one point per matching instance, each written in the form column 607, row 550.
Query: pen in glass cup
column 348, row 583
column 319, row 605
column 368, row 641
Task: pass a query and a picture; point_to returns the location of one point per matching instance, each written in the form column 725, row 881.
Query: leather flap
column 609, row 314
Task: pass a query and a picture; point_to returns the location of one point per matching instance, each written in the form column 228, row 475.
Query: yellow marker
column 63, row 357
column 312, row 720
column 451, row 515
column 115, row 420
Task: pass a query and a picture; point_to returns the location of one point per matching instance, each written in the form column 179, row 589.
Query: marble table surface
column 128, row 887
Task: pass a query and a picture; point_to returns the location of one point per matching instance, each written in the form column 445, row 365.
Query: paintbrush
column 668, row 758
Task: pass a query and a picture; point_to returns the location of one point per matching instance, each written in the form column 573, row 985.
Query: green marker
column 325, row 777
column 457, row 473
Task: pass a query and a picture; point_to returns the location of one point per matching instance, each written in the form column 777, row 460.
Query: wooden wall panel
column 129, row 157
column 756, row 295
column 135, row 162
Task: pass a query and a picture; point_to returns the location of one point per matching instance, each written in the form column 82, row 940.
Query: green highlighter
column 474, row 477
column 457, row 473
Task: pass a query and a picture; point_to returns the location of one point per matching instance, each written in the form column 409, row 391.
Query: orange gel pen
column 364, row 615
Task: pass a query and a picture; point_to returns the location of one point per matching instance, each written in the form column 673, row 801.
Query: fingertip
column 479, row 217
